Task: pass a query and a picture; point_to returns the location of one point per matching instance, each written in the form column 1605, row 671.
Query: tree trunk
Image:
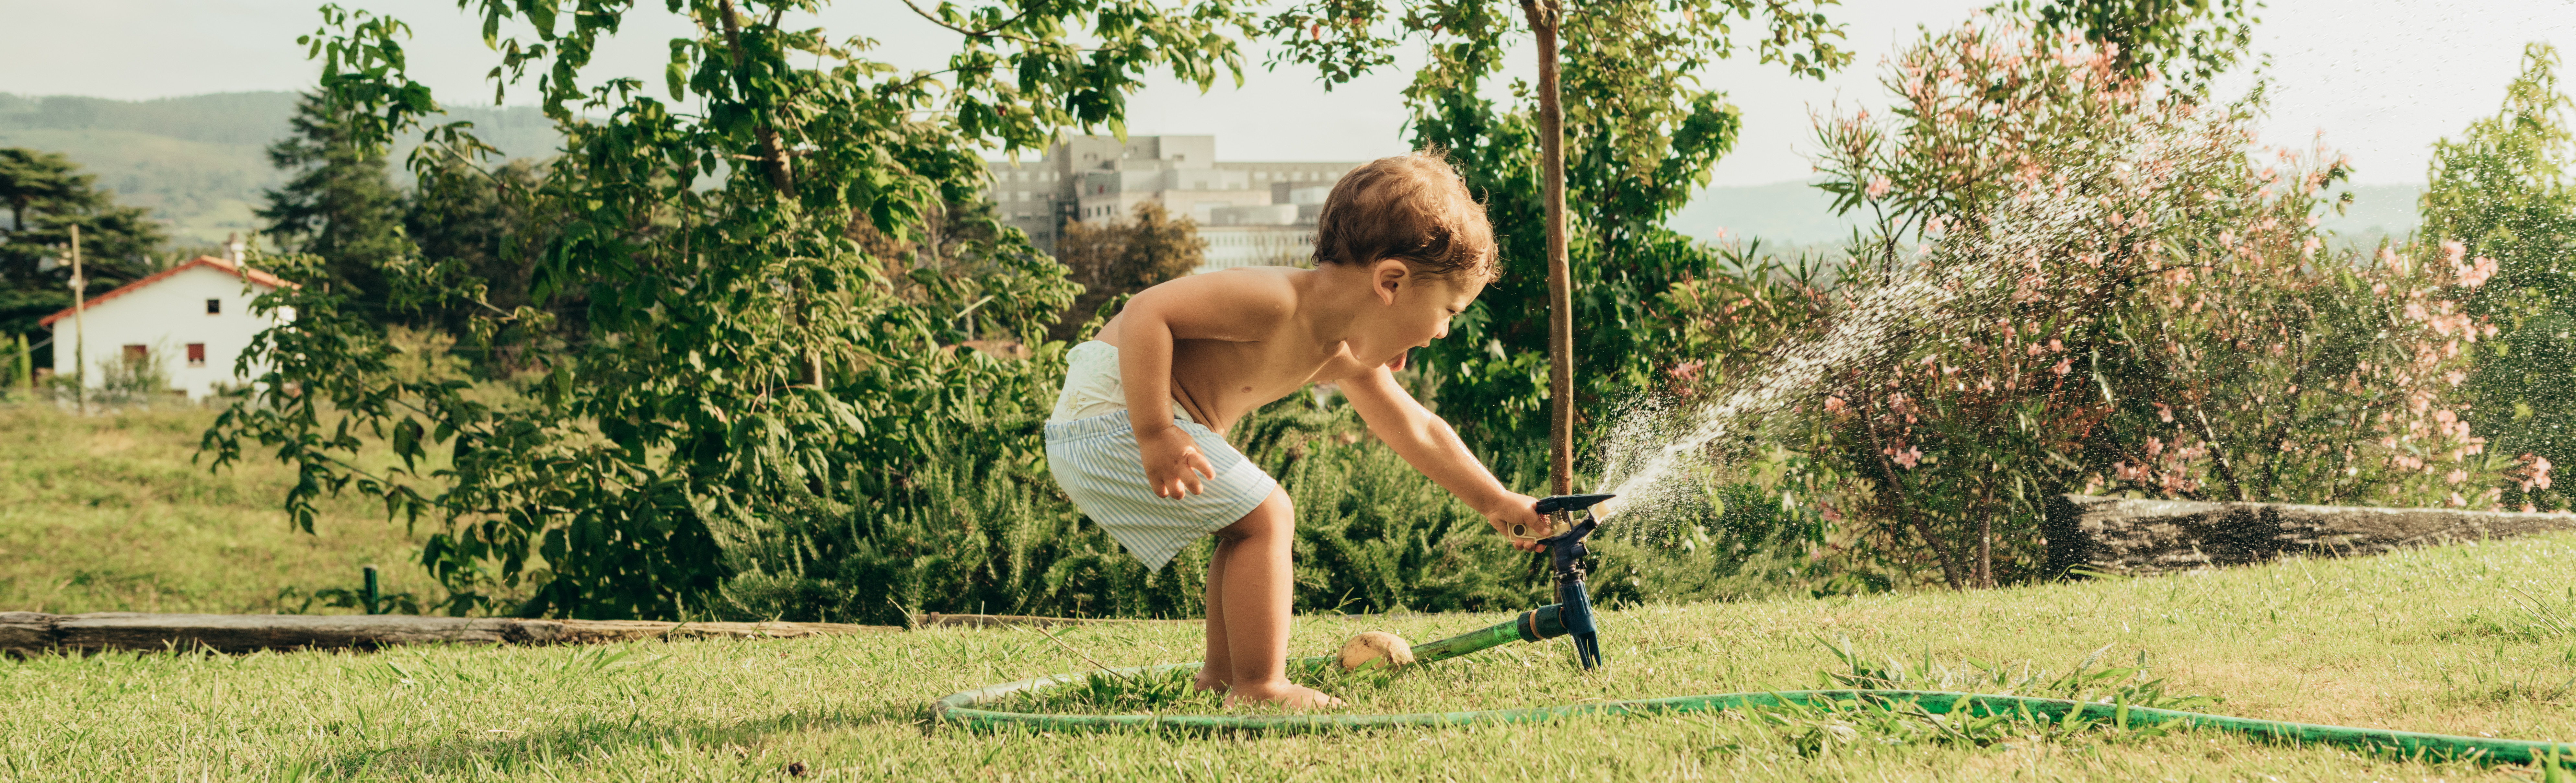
column 1544, row 16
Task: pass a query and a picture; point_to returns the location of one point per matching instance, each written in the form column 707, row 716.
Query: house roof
column 248, row 274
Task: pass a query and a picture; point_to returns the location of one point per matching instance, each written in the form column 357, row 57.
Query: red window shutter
column 196, row 353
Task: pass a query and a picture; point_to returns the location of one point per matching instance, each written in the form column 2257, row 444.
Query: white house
column 195, row 317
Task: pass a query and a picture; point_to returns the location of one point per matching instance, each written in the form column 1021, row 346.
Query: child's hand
column 1519, row 512
column 1173, row 465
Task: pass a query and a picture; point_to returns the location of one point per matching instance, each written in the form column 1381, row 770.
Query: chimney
column 233, row 249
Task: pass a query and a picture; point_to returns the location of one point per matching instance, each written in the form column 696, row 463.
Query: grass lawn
column 107, row 514
column 2473, row 639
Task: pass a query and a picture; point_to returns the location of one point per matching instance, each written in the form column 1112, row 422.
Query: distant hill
column 1783, row 213
column 200, row 162
column 1795, row 214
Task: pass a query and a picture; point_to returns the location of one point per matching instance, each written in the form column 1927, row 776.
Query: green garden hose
column 962, row 710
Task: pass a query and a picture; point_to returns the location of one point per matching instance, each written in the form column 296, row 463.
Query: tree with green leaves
column 340, row 205
column 2500, row 205
column 484, row 225
column 1123, row 257
column 46, row 194
column 746, row 360
column 2187, row 41
column 1641, row 134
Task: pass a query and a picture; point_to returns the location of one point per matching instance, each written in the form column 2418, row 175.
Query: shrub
column 2079, row 280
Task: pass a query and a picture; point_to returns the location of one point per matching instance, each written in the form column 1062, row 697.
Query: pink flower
column 2452, row 250
column 1688, row 371
column 2309, row 248
column 2455, row 376
column 1835, row 405
column 1909, row 457
column 2379, row 289
column 2456, row 500
column 2456, row 476
column 2477, row 274
column 2164, row 412
column 2540, row 471
column 2065, row 365
column 1879, row 187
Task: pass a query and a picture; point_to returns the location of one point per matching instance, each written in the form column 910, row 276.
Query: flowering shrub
column 2501, row 209
column 2124, row 295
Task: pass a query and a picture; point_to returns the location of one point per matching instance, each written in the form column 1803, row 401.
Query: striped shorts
column 1096, row 461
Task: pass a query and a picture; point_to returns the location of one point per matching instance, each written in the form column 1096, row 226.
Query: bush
column 2076, row 280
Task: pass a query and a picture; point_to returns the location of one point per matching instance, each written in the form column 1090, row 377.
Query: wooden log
column 25, row 633
column 247, row 632
column 602, row 631
column 935, row 620
column 2143, row 537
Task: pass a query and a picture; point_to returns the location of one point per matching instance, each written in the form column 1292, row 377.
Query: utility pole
column 80, row 326
column 1544, row 18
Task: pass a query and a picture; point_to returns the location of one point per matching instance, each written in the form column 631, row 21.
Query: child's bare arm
column 1431, row 446
column 1200, row 307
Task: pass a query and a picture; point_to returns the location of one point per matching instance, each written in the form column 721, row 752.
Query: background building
column 191, row 321
column 1251, row 213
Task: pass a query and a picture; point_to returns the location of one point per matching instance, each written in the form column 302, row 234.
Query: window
column 196, row 354
column 136, row 353
column 214, row 307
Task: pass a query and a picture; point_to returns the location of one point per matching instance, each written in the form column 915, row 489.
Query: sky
column 2382, row 78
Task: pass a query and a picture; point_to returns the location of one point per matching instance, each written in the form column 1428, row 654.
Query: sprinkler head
column 1565, row 555
column 1556, row 503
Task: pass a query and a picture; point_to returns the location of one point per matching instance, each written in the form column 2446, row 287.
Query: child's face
column 1417, row 311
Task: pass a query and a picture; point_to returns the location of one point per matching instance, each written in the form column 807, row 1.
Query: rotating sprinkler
column 1571, row 615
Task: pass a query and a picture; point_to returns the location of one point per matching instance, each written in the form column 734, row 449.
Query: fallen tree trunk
column 936, row 620
column 25, row 633
column 2143, row 537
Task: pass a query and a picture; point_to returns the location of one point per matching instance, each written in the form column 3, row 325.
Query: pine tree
column 340, row 205
column 46, row 194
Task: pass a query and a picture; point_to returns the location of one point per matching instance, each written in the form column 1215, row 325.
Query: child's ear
column 1386, row 277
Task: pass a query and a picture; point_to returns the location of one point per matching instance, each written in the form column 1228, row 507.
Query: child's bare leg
column 1252, row 563
column 1217, row 667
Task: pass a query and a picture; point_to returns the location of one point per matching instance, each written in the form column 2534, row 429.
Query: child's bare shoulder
column 1246, row 299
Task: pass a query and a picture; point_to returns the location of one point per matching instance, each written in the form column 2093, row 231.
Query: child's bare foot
column 1207, row 681
column 1292, row 697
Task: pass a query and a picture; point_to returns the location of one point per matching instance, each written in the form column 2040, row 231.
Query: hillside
column 200, row 162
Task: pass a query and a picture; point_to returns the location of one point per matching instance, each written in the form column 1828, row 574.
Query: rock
column 1378, row 648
